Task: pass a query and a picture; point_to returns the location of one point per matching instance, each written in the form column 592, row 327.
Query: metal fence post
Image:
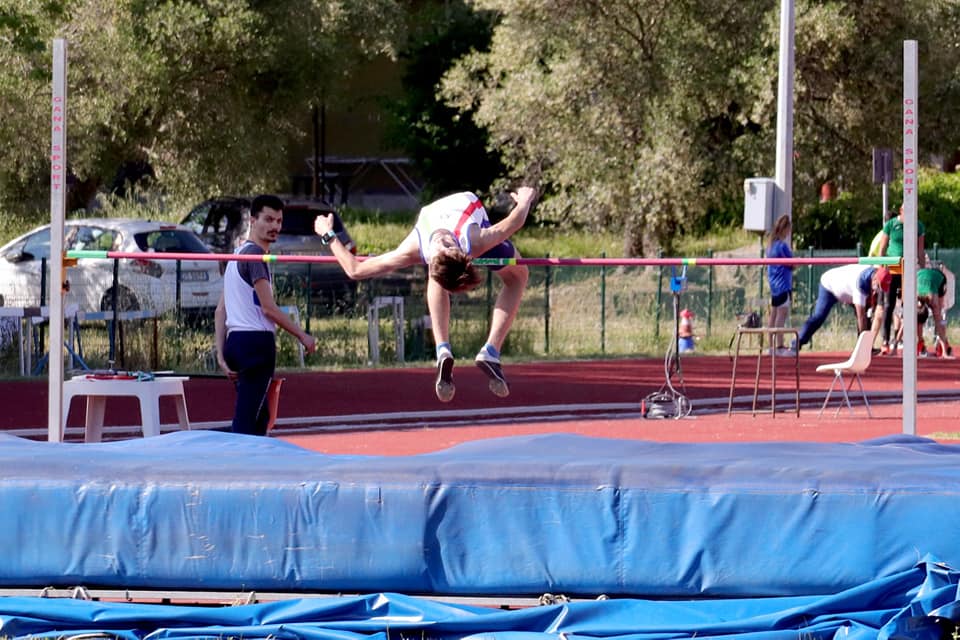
column 656, row 324
column 709, row 293
column 546, row 310
column 760, row 288
column 603, row 305
column 489, row 295
column 116, row 312
column 38, row 347
column 309, row 290
column 179, row 289
column 178, row 301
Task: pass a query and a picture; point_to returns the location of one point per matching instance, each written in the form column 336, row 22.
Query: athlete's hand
column 525, row 195
column 323, row 223
column 309, row 343
column 231, row 374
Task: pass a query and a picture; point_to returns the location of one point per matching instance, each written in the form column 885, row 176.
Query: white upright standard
column 58, row 189
column 911, row 165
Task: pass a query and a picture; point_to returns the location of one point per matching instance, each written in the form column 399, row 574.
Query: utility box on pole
column 758, row 199
column 883, row 175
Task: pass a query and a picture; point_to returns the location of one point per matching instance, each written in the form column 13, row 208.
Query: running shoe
column 491, row 366
column 885, row 350
column 444, row 386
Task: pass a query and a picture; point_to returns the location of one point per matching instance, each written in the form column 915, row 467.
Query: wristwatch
column 328, row 237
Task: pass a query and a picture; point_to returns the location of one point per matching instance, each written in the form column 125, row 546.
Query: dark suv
column 223, row 224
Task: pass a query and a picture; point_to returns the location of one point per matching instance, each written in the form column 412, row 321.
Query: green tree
column 208, row 94
column 616, row 106
column 24, row 105
column 850, row 86
column 448, row 148
column 644, row 115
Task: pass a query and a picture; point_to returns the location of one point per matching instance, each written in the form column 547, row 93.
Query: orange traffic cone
column 273, row 401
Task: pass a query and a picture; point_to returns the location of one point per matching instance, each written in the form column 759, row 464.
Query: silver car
column 141, row 284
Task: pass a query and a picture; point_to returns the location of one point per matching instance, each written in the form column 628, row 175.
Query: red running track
column 357, row 411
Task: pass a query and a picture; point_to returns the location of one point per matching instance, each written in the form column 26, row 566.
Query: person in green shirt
column 877, row 241
column 891, row 244
column 931, row 291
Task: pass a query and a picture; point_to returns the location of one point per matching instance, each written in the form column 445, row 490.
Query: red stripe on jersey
column 476, row 204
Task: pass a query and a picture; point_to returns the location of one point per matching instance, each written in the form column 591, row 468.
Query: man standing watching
column 246, row 321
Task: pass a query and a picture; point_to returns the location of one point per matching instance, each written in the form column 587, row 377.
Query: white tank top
column 244, row 312
column 455, row 213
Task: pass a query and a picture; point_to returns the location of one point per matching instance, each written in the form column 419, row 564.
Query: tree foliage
column 448, row 148
column 856, row 217
column 205, row 95
column 646, row 114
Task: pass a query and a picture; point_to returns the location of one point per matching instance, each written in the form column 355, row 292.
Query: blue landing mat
column 917, row 604
column 511, row 516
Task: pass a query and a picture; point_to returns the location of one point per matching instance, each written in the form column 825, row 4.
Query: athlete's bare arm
column 405, row 255
column 270, row 309
column 490, row 237
column 220, row 335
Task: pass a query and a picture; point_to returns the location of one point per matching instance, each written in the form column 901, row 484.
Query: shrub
column 938, row 207
column 839, row 223
column 857, row 217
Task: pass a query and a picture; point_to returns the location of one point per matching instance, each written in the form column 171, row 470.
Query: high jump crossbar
column 559, row 262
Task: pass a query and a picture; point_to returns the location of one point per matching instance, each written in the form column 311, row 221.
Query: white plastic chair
column 856, row 364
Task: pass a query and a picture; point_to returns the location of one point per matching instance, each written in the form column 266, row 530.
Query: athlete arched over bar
column 448, row 234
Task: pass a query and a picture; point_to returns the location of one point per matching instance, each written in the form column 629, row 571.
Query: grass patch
column 13, row 224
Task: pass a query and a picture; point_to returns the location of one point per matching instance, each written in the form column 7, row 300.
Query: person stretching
column 853, row 284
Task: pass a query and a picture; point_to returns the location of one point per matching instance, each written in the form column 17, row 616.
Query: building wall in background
column 358, row 168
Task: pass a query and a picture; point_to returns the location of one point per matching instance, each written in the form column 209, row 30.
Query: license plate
column 194, row 276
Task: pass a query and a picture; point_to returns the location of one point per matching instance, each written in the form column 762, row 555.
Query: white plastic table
column 148, row 392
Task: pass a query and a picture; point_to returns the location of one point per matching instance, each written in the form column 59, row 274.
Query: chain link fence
column 567, row 313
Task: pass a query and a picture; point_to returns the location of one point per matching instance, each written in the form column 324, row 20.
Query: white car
column 141, row 284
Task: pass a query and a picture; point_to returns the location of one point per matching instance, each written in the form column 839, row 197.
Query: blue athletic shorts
column 780, row 299
column 503, row 250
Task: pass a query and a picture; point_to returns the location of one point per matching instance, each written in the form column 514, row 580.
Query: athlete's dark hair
column 265, row 200
column 453, row 270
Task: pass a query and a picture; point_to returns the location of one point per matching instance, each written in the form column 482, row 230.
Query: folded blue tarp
column 903, row 606
column 512, row 516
